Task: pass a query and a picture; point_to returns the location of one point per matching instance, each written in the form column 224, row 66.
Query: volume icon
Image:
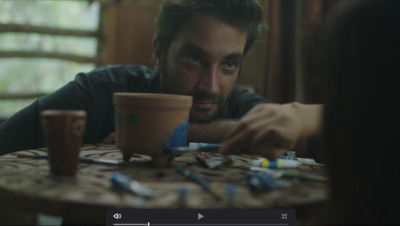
column 117, row 216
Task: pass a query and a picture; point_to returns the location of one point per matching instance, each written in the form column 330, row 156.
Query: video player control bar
column 201, row 217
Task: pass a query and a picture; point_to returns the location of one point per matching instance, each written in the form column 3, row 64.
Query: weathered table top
column 26, row 183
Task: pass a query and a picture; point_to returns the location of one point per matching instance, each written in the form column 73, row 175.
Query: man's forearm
column 311, row 116
column 212, row 132
column 306, row 121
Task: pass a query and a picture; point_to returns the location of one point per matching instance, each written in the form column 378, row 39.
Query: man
column 199, row 48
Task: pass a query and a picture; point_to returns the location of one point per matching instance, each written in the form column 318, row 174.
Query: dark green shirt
column 93, row 92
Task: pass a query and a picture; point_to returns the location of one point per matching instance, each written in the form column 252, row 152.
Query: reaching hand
column 272, row 129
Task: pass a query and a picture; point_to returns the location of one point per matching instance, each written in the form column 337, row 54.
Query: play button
column 199, row 216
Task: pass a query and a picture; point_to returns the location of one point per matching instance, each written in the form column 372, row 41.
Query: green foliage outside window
column 42, row 75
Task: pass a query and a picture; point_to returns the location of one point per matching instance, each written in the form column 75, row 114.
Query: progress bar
column 148, row 224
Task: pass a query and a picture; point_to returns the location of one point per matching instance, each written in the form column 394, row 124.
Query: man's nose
column 209, row 81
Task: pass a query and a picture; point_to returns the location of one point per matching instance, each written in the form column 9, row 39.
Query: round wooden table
column 27, row 184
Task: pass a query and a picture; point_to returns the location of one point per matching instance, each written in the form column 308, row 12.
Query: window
column 43, row 45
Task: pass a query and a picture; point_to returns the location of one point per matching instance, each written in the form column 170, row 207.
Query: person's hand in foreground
column 272, row 129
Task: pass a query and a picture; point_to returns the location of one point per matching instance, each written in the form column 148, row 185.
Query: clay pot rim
column 61, row 112
column 144, row 99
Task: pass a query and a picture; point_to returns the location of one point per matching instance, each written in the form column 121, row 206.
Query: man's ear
column 157, row 54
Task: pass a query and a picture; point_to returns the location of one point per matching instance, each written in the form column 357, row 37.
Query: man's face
column 203, row 61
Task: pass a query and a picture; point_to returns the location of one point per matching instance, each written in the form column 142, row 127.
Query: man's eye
column 192, row 59
column 231, row 65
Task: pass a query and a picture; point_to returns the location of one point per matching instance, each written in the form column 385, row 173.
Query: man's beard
column 196, row 115
column 204, row 115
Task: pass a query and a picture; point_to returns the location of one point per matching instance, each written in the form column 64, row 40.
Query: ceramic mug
column 63, row 131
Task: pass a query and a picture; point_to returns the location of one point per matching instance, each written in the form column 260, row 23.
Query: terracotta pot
column 63, row 131
column 147, row 123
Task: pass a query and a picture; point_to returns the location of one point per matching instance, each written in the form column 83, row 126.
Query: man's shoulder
column 119, row 74
column 239, row 102
column 239, row 94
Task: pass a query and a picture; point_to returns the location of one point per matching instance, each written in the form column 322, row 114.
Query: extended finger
column 274, row 136
column 241, row 137
column 270, row 153
column 247, row 122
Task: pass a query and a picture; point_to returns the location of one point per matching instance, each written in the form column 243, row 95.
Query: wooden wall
column 129, row 28
column 277, row 67
column 291, row 48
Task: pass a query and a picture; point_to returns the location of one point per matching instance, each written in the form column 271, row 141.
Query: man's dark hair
column 245, row 14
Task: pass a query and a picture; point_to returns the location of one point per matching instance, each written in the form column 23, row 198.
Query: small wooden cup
column 147, row 123
column 63, row 131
